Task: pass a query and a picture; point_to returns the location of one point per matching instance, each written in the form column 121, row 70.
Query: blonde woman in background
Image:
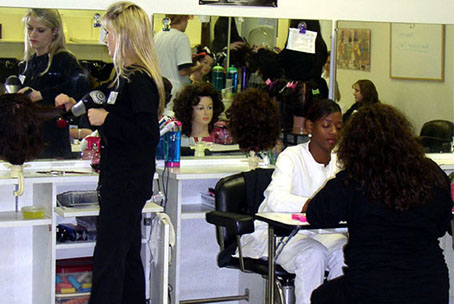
column 129, row 130
column 47, row 70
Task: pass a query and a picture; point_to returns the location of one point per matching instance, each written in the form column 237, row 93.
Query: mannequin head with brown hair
column 20, row 138
column 254, row 120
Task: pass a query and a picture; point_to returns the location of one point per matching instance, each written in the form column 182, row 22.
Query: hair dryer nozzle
column 13, row 84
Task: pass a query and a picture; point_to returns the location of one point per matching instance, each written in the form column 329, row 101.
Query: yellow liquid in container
column 33, row 212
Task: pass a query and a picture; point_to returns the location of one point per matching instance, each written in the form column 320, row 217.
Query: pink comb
column 299, row 217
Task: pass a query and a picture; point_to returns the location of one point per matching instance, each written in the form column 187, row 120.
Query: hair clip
column 302, row 27
column 292, row 85
column 166, row 23
column 270, row 83
column 315, row 92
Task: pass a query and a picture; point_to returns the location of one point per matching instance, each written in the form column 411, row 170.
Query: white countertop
column 210, row 167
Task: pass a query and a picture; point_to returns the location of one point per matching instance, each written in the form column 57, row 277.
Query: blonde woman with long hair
column 47, row 70
column 128, row 124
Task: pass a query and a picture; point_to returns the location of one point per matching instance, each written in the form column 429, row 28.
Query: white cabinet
column 194, row 273
column 29, row 247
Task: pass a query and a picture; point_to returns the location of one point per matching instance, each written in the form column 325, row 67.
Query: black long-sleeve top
column 391, row 256
column 129, row 136
column 65, row 75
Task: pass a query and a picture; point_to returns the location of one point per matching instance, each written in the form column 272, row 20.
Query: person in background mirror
column 198, row 107
column 175, row 55
column 326, row 76
column 47, row 70
column 204, row 57
column 365, row 93
column 300, row 172
column 128, row 125
column 221, row 29
column 397, row 204
column 264, row 68
column 302, row 66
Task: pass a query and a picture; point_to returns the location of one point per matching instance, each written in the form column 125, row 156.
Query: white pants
column 308, row 257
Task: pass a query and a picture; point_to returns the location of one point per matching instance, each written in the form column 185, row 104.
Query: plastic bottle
column 218, row 77
column 232, row 73
column 96, row 158
column 173, row 146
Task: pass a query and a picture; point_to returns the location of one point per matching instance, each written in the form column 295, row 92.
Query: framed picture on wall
column 417, row 51
column 353, row 49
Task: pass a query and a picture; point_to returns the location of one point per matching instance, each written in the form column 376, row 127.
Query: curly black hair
column 383, row 158
column 20, row 137
column 254, row 120
column 188, row 97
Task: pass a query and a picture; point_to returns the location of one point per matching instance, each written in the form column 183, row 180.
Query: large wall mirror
column 421, row 99
column 411, row 66
column 82, row 33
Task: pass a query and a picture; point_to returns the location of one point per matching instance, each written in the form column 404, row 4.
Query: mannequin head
column 254, row 120
column 198, row 107
column 20, row 138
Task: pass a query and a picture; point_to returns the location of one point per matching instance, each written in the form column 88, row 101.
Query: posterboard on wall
column 417, row 51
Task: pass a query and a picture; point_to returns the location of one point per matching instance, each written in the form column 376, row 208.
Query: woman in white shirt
column 300, row 172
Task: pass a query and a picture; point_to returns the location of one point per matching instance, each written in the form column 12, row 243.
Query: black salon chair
column 436, row 136
column 237, row 198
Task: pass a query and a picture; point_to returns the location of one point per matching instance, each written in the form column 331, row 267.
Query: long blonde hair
column 134, row 43
column 52, row 19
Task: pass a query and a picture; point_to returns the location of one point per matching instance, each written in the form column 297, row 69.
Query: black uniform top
column 391, row 256
column 129, row 137
column 354, row 107
column 65, row 75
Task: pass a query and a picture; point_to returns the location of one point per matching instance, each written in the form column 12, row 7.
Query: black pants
column 433, row 290
column 333, row 291
column 118, row 275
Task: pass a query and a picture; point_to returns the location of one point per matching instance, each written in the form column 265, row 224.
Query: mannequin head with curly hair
column 20, row 138
column 254, row 120
column 382, row 156
column 198, row 107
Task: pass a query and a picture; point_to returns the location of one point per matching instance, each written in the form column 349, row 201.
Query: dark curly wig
column 188, row 97
column 254, row 120
column 383, row 158
column 368, row 91
column 20, row 137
